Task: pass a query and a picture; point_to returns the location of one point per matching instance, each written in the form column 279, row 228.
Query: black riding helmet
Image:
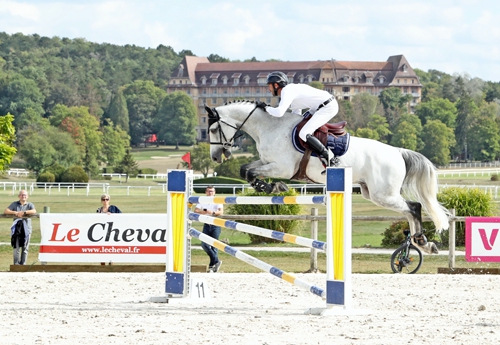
column 279, row 78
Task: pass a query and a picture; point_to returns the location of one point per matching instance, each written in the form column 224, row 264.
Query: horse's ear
column 209, row 111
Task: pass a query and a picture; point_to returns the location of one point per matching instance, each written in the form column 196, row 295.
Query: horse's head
column 221, row 139
column 224, row 122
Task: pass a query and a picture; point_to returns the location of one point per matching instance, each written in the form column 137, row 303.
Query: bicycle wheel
column 406, row 259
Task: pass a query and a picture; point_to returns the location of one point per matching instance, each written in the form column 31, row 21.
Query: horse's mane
column 240, row 101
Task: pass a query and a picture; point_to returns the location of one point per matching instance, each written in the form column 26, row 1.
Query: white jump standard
column 338, row 200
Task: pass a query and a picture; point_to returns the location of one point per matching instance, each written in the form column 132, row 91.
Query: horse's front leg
column 251, row 171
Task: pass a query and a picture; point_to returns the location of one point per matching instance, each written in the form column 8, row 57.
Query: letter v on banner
column 488, row 243
column 480, row 239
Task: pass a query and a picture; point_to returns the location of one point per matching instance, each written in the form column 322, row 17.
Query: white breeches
column 319, row 118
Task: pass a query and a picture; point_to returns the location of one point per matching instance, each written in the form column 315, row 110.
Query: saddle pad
column 338, row 145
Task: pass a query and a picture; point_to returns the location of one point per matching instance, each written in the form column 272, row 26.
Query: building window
column 247, row 91
column 214, row 101
column 290, row 80
column 203, row 80
column 204, row 91
column 406, row 81
column 214, row 91
column 356, row 79
column 346, row 89
column 381, row 79
column 214, row 81
column 369, row 80
column 236, row 91
column 203, row 134
column 397, row 81
column 236, row 81
column 247, row 80
column 301, row 78
column 413, row 81
column 203, row 119
column 188, row 91
column 224, row 80
column 224, row 91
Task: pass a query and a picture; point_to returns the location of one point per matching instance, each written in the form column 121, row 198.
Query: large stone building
column 214, row 84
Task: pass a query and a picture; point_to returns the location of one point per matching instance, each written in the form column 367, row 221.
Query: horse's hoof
column 279, row 187
column 434, row 248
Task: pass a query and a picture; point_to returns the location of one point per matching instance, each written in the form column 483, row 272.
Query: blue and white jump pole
column 338, row 200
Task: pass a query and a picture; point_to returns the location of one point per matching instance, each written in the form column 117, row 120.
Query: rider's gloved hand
column 261, row 105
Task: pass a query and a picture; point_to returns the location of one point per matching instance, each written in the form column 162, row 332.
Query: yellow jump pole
column 178, row 261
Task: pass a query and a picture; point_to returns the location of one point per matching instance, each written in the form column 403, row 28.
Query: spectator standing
column 21, row 227
column 106, row 207
column 210, row 229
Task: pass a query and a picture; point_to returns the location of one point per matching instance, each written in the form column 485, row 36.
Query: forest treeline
column 76, row 102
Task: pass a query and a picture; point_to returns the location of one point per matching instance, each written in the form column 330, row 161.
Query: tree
column 127, row 165
column 115, row 144
column 395, row 103
column 405, row 136
column 143, row 100
column 18, row 94
column 217, row 58
column 201, row 160
column 317, row 85
column 484, row 137
column 438, row 140
column 43, row 147
column 177, row 119
column 363, row 105
column 437, row 109
column 466, row 108
column 231, row 167
column 118, row 112
column 378, row 125
column 7, row 137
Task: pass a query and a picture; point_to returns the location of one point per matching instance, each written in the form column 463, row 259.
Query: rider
column 322, row 106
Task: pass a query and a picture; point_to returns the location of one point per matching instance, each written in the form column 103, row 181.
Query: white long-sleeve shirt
column 298, row 97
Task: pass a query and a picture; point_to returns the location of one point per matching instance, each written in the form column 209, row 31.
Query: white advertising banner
column 481, row 239
column 98, row 237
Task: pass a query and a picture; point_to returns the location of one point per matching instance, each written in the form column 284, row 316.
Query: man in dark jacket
column 20, row 209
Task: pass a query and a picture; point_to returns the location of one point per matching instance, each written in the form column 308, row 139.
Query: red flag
column 187, row 158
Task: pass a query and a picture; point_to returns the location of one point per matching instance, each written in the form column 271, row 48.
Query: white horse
column 384, row 172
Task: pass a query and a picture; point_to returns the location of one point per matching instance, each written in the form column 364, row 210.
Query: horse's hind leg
column 414, row 216
column 412, row 211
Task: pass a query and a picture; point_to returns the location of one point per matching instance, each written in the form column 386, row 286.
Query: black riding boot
column 327, row 158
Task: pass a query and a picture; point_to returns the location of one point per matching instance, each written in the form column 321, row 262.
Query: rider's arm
column 287, row 98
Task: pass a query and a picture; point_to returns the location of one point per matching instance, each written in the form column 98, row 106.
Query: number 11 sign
column 481, row 239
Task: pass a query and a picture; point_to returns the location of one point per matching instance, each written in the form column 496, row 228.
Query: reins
column 229, row 143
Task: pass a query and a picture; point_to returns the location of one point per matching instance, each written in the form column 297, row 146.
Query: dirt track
column 109, row 308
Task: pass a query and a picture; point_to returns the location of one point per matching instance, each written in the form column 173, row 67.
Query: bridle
column 214, row 117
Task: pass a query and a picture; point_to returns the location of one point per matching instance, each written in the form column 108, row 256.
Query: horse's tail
column 421, row 183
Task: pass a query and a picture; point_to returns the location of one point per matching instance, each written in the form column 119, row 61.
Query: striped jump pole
column 258, row 200
column 288, row 277
column 255, row 230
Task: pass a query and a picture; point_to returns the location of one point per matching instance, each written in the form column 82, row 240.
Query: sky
column 456, row 37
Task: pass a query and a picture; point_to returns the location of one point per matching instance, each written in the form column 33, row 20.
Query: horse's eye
column 214, row 129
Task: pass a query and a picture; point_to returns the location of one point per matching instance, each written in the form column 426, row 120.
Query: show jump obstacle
column 338, row 200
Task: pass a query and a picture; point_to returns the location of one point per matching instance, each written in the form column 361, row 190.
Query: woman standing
column 106, row 207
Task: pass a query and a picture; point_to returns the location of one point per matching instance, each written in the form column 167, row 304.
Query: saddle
column 322, row 133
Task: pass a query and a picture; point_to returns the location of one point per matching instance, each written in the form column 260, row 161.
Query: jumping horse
column 384, row 173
